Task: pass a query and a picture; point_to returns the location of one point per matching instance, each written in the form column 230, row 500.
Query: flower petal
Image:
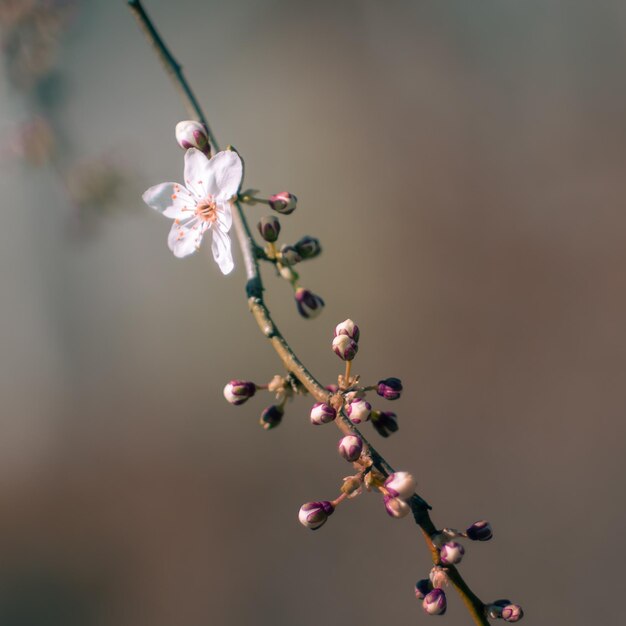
column 224, row 216
column 171, row 199
column 228, row 171
column 184, row 239
column 199, row 176
column 221, row 251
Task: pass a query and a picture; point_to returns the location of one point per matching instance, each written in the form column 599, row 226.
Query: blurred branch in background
column 32, row 33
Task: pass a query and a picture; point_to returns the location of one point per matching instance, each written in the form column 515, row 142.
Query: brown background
column 463, row 164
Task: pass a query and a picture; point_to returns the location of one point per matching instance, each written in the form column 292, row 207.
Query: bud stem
column 346, row 378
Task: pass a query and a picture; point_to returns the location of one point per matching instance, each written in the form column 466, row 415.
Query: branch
column 292, row 363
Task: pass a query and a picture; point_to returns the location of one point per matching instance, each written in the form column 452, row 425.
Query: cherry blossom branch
column 254, row 289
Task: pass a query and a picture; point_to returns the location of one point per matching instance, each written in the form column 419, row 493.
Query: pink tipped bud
column 272, row 416
column 289, row 255
column 269, row 227
column 384, row 422
column 348, row 328
column 350, row 447
column 314, row 514
column 344, row 347
column 396, row 507
column 322, row 413
column 309, row 304
column 390, row 388
column 192, row 134
column 435, row 602
column 423, row 588
column 308, row 247
column 238, row 391
column 452, row 553
column 400, row 485
column 283, row 202
column 480, row 531
column 359, row 410
column 512, row 613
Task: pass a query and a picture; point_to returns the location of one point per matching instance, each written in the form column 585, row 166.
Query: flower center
column 207, row 209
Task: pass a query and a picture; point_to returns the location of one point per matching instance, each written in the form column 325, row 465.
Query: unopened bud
column 238, row 391
column 396, row 507
column 359, row 411
column 283, row 202
column 435, row 602
column 309, row 304
column 314, row 514
column 322, row 413
column 390, row 388
column 269, row 227
column 289, row 255
column 423, row 588
column 192, row 134
column 348, row 328
column 512, row 613
column 400, row 485
column 308, row 247
column 452, row 553
column 480, row 531
column 272, row 416
column 384, row 422
column 344, row 347
column 350, row 447
column 494, row 610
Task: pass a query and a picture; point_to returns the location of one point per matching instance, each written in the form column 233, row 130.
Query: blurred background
column 462, row 164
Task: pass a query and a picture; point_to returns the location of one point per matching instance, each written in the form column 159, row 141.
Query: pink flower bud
column 348, row 328
column 390, row 388
column 272, row 416
column 289, row 255
column 435, row 602
column 192, row 134
column 359, row 410
column 384, row 422
column 309, row 305
column 283, row 202
column 238, row 391
column 314, row 514
column 400, row 485
column 512, row 613
column 452, row 553
column 322, row 413
column 480, row 531
column 308, row 247
column 269, row 227
column 350, row 447
column 396, row 507
column 423, row 588
column 345, row 348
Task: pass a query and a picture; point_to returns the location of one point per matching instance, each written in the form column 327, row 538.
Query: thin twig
column 256, row 303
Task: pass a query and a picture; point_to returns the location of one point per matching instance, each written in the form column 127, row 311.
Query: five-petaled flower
column 203, row 203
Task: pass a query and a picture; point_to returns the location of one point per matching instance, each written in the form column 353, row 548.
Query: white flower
column 205, row 203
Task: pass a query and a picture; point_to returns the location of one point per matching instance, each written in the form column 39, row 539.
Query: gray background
column 463, row 165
